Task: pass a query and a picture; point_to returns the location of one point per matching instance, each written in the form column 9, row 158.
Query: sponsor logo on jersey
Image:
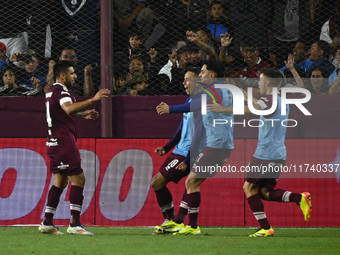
column 48, row 94
column 53, row 142
column 63, row 166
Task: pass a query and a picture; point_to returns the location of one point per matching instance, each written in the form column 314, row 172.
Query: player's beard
column 69, row 82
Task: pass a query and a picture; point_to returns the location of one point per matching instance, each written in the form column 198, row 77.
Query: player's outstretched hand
column 90, row 114
column 215, row 108
column 181, row 166
column 163, row 108
column 160, row 151
column 101, row 93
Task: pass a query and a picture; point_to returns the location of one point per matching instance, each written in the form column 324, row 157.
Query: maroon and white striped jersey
column 62, row 128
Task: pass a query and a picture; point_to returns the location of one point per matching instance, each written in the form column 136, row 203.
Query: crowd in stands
column 156, row 42
column 197, row 30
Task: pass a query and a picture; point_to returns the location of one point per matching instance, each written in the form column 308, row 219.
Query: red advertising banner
column 119, row 171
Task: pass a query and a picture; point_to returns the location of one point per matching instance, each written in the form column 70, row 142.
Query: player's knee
column 248, row 188
column 83, row 180
column 245, row 187
column 158, row 182
column 154, row 184
column 64, row 184
column 78, row 180
column 191, row 183
column 264, row 194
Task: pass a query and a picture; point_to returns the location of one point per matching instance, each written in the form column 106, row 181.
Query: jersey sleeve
column 62, row 96
column 266, row 103
column 175, row 139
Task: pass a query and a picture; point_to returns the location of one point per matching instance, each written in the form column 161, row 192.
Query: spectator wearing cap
column 3, row 59
column 140, row 83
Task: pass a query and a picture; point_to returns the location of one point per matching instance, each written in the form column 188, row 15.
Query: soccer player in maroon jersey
column 62, row 112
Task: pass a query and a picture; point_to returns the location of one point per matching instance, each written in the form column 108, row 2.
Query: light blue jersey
column 183, row 146
column 220, row 136
column 272, row 134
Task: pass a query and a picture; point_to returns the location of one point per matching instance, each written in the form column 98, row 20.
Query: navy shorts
column 169, row 171
column 209, row 160
column 270, row 174
column 68, row 163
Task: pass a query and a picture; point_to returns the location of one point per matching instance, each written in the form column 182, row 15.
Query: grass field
column 27, row 240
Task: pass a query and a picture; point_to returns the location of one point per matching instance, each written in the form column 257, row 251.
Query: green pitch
column 307, row 241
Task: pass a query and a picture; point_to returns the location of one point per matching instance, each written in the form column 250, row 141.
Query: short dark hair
column 321, row 69
column 136, row 57
column 325, row 47
column 274, row 75
column 196, row 71
column 136, row 34
column 8, row 68
column 248, row 42
column 215, row 66
column 205, row 30
column 67, row 48
column 304, row 42
column 215, row 2
column 61, row 67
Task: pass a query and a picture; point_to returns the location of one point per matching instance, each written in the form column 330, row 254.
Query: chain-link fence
column 36, row 34
column 152, row 50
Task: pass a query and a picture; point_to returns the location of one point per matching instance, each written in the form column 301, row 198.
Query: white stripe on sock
column 168, row 206
column 184, row 205
column 286, row 196
column 260, row 215
column 50, row 210
column 75, row 207
column 193, row 209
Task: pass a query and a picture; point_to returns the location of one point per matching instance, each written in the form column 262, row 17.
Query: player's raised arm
column 71, row 108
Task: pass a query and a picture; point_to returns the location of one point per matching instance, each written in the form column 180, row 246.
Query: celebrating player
column 270, row 152
column 218, row 144
column 61, row 146
column 168, row 171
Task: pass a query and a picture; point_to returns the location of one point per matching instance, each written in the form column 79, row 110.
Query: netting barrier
column 153, row 43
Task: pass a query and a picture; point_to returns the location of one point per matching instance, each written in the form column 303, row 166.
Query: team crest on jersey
column 72, row 6
column 65, row 88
